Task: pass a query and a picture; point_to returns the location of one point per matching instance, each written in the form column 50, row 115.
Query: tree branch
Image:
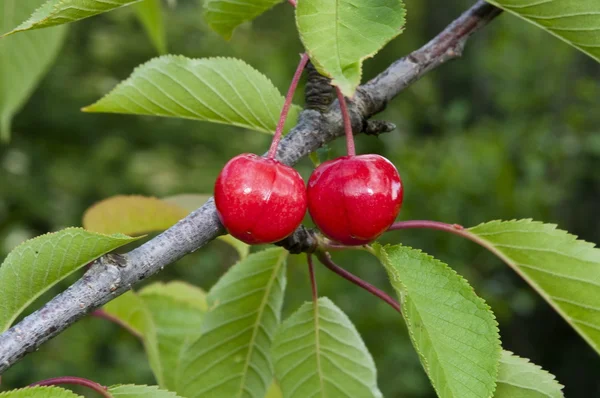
column 111, row 276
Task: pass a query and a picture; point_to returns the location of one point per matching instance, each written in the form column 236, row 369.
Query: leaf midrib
column 516, row 266
column 318, row 347
column 259, row 316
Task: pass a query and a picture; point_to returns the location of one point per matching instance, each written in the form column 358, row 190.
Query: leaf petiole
column 92, row 385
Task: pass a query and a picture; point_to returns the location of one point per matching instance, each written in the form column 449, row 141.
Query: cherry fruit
column 354, row 199
column 259, row 200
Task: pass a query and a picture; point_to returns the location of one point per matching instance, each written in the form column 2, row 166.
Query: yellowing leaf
column 136, row 215
column 132, row 215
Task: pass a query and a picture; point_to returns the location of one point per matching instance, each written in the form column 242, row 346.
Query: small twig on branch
column 106, row 279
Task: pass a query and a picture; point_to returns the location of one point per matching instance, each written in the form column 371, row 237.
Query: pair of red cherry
column 352, row 199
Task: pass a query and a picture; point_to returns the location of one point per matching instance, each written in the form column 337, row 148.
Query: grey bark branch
column 112, row 276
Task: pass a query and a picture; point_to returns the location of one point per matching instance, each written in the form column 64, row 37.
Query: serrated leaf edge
column 550, row 228
column 536, row 366
column 145, row 386
column 121, row 237
column 166, row 58
column 38, row 388
column 545, row 29
column 381, row 249
column 30, row 23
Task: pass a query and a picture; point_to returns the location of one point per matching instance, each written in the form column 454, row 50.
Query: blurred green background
column 508, row 131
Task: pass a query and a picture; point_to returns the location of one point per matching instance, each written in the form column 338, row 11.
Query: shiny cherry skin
column 355, row 199
column 259, row 200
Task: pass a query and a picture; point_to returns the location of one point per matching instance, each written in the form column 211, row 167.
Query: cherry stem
column 347, row 123
column 313, row 280
column 105, row 315
column 325, row 258
column 286, row 106
column 75, row 381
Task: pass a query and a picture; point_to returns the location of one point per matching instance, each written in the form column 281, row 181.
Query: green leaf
column 519, row 378
column 231, row 358
column 563, row 270
column 218, row 90
column 167, row 317
column 24, row 59
column 576, row 22
column 318, row 352
column 453, row 330
column 149, row 12
column 59, row 12
column 132, row 215
column 182, row 292
column 38, row 264
column 39, row 392
column 340, row 34
column 133, row 391
column 224, row 16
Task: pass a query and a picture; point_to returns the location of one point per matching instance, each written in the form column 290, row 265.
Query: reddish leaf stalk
column 325, row 258
column 313, row 280
column 105, row 315
column 455, row 229
column 293, row 3
column 347, row 123
column 286, row 106
column 92, row 385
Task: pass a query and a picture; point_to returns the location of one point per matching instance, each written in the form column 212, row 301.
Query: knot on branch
column 376, row 127
column 318, row 93
column 303, row 240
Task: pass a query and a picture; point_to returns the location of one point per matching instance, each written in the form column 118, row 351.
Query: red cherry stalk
column 286, row 106
column 325, row 258
column 347, row 123
column 92, row 385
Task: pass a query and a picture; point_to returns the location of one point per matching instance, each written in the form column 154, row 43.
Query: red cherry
column 354, row 199
column 259, row 200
